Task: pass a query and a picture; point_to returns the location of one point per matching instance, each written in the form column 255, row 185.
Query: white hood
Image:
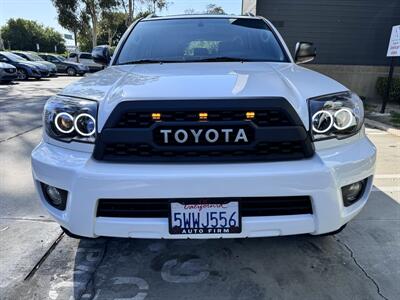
column 191, row 81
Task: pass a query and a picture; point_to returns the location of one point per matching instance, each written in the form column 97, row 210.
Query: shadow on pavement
column 348, row 265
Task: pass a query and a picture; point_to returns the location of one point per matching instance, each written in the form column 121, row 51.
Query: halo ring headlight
column 77, row 127
column 349, row 121
column 58, row 126
column 326, row 113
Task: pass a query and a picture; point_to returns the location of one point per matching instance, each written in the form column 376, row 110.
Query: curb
column 381, row 126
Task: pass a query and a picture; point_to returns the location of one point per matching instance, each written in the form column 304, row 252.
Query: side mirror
column 304, row 52
column 101, row 55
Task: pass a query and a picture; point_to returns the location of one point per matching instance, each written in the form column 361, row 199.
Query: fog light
column 352, row 192
column 54, row 196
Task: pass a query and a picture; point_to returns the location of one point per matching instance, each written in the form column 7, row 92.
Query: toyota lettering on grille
column 203, row 136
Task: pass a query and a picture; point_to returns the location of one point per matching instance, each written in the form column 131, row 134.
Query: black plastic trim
column 293, row 132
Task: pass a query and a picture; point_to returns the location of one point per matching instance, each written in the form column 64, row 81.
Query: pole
column 389, row 85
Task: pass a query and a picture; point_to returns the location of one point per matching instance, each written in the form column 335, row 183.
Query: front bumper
column 320, row 177
column 44, row 73
column 8, row 76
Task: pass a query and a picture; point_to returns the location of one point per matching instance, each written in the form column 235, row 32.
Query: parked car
column 8, row 73
column 86, row 59
column 64, row 66
column 25, row 69
column 204, row 127
column 31, row 56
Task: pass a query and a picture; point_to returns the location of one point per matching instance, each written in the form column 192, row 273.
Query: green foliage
column 112, row 27
column 394, row 93
column 23, row 34
column 395, row 118
column 213, row 9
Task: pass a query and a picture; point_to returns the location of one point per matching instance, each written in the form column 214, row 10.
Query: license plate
column 204, row 218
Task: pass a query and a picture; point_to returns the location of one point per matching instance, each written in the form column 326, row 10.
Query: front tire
column 22, row 74
column 71, row 71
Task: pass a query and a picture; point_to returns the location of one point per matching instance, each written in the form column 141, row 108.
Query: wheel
column 71, row 71
column 22, row 74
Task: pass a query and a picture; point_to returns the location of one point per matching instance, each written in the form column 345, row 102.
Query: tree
column 91, row 8
column 24, row 34
column 213, row 9
column 112, row 27
column 68, row 16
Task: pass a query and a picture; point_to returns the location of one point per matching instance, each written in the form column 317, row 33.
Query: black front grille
column 275, row 133
column 268, row 151
column 272, row 117
column 249, row 206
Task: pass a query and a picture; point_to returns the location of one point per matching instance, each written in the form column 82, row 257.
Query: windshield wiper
column 219, row 59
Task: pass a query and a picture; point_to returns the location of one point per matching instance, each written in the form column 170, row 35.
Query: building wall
column 351, row 36
column 360, row 79
column 345, row 32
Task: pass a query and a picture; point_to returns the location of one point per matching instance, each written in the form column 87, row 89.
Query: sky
column 44, row 12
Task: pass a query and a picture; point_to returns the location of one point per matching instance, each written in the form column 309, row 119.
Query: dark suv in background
column 64, row 66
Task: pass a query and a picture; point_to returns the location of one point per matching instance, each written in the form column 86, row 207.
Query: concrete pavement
column 362, row 262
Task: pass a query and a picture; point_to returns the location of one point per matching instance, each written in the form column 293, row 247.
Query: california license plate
column 204, row 218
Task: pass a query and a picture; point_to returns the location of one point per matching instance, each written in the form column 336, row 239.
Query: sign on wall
column 249, row 6
column 394, row 44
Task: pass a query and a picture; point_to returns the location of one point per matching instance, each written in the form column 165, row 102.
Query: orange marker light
column 203, row 116
column 250, row 114
column 156, row 116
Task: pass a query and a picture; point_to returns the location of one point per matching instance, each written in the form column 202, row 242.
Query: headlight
column 336, row 116
column 68, row 119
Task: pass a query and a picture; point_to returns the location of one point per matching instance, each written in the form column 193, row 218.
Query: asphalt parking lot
column 362, row 262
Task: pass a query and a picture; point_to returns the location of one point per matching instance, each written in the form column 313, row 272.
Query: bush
column 381, row 86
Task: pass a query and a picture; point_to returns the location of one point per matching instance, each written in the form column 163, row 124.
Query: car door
column 59, row 64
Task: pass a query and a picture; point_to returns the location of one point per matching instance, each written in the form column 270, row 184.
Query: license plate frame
column 208, row 230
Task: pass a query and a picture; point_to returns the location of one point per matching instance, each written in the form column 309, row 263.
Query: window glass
column 197, row 39
column 85, row 56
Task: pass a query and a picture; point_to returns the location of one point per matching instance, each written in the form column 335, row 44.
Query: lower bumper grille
column 249, row 207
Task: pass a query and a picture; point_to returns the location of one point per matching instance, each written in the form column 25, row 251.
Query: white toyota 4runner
column 203, row 127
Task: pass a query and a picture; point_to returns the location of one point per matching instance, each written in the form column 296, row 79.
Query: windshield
column 13, row 57
column 34, row 56
column 60, row 57
column 201, row 39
